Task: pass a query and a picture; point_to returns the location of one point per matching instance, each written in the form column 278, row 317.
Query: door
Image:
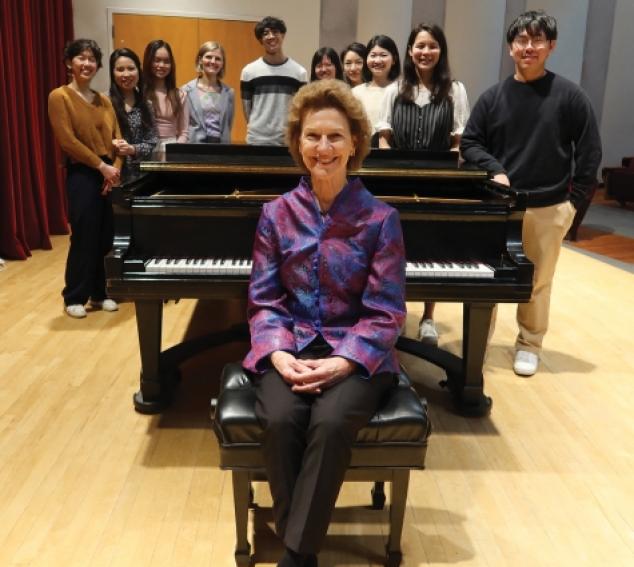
column 185, row 36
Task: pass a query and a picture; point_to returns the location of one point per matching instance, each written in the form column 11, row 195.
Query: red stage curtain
column 32, row 199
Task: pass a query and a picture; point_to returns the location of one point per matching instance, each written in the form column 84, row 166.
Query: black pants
column 307, row 446
column 91, row 235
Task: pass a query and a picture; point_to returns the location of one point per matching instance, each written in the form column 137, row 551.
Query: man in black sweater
column 536, row 131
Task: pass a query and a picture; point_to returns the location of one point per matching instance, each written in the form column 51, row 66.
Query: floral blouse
column 143, row 139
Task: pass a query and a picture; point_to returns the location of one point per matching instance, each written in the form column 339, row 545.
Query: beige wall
column 473, row 31
column 617, row 125
column 393, row 18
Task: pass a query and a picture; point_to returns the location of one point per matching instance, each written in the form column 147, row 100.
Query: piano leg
column 470, row 396
column 464, row 375
column 156, row 383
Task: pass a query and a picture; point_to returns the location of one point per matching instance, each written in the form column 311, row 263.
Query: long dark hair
column 117, row 97
column 362, row 52
column 173, row 96
column 334, row 59
column 441, row 75
column 387, row 43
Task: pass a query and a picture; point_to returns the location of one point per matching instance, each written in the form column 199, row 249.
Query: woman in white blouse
column 425, row 110
column 384, row 64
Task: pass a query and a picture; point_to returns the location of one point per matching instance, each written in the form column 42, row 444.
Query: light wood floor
column 547, row 479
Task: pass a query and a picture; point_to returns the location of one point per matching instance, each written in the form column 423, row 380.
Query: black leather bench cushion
column 401, row 420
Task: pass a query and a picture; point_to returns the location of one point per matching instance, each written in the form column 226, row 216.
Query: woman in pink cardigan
column 167, row 101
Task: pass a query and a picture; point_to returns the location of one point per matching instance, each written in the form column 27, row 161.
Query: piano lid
column 275, row 160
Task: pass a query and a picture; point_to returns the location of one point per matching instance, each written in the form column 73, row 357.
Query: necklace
column 88, row 95
column 208, row 88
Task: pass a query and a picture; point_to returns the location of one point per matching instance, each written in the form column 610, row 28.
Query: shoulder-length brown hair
column 329, row 93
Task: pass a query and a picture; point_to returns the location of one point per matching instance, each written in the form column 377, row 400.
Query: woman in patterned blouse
column 326, row 305
column 133, row 113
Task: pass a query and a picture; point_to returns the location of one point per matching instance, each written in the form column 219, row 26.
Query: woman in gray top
column 211, row 102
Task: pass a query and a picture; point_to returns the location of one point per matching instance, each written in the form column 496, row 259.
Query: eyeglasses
column 537, row 42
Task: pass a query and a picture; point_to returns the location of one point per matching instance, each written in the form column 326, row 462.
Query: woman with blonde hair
column 211, row 102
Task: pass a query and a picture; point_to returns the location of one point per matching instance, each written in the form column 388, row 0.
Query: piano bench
column 393, row 443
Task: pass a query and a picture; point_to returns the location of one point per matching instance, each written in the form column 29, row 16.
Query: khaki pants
column 543, row 231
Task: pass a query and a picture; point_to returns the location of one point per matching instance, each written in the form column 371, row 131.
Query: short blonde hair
column 329, row 93
column 211, row 46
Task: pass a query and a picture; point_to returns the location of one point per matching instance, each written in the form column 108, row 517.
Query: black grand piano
column 185, row 229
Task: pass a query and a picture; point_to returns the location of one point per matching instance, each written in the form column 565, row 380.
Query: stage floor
column 547, row 479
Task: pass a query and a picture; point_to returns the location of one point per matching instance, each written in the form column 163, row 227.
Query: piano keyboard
column 242, row 267
column 200, row 266
column 448, row 270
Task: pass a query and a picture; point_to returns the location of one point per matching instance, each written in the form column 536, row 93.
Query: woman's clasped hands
column 311, row 376
column 111, row 177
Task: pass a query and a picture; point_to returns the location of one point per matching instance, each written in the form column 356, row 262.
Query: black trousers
column 307, row 445
column 91, row 235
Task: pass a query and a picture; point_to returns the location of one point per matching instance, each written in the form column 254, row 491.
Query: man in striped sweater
column 268, row 84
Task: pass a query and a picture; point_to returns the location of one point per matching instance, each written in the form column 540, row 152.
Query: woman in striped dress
column 425, row 110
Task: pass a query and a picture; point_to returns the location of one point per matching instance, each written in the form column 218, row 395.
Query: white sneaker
column 106, row 304
column 77, row 311
column 525, row 363
column 427, row 332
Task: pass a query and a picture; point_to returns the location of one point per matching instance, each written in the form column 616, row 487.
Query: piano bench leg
column 378, row 496
column 242, row 495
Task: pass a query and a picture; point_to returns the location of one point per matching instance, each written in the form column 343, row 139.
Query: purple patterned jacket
column 341, row 275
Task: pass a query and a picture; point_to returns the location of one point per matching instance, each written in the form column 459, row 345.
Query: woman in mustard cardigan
column 84, row 124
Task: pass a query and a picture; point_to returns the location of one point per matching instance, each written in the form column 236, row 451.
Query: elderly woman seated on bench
column 326, row 305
